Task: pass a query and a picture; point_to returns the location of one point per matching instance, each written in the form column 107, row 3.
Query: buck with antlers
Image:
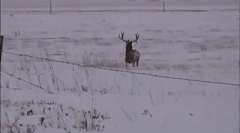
column 131, row 56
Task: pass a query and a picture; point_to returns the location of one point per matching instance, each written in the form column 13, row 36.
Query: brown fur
column 132, row 57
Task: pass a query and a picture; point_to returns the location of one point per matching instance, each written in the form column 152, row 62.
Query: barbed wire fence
column 107, row 69
column 27, row 82
column 53, row 6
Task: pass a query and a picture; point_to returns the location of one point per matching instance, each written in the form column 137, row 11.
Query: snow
column 193, row 45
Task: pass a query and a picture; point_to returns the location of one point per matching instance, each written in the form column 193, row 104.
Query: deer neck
column 128, row 48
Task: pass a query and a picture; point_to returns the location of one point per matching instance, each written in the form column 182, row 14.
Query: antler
column 137, row 36
column 122, row 34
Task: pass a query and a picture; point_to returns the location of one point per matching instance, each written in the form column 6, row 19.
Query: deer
column 132, row 55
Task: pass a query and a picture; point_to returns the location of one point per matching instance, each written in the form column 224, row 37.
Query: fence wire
column 123, row 71
column 26, row 81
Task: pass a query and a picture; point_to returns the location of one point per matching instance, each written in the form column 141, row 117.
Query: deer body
column 132, row 56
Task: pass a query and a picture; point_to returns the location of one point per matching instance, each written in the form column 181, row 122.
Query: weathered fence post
column 1, row 46
column 50, row 6
column 163, row 6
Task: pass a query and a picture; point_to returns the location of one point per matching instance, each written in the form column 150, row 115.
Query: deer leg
column 134, row 64
column 137, row 63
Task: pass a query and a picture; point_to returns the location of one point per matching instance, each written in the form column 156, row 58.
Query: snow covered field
column 193, row 45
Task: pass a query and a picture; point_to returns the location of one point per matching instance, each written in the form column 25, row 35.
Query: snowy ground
column 194, row 45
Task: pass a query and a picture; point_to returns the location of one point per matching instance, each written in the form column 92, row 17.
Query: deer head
column 128, row 43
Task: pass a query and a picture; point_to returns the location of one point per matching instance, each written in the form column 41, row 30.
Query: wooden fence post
column 50, row 6
column 163, row 6
column 1, row 46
